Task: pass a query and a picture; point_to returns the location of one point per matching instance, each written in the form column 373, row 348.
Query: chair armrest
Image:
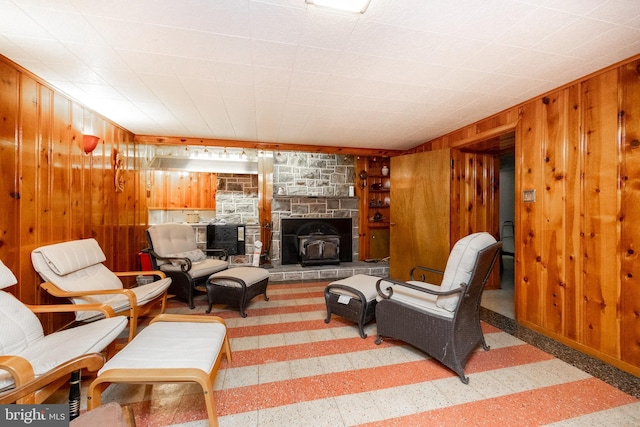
column 57, row 292
column 27, row 384
column 422, row 277
column 217, row 253
column 185, row 263
column 63, row 308
column 389, row 289
column 18, row 367
column 158, row 273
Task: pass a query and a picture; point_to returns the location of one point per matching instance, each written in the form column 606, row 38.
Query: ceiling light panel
column 355, row 6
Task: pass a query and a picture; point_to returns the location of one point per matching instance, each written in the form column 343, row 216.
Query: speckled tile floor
column 290, row 368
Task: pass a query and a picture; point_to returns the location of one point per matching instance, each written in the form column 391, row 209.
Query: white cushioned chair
column 173, row 250
column 34, row 365
column 74, row 270
column 441, row 320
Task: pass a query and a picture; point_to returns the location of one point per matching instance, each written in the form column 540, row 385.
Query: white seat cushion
column 362, row 282
column 191, row 345
column 21, row 335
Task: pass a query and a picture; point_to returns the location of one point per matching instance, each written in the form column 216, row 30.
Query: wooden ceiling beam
column 265, row 146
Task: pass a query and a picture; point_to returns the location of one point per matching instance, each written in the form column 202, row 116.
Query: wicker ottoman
column 353, row 298
column 237, row 286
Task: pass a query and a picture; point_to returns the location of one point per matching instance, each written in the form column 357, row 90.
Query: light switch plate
column 529, row 196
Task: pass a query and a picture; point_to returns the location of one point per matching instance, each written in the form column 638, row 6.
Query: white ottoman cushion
column 249, row 275
column 362, row 282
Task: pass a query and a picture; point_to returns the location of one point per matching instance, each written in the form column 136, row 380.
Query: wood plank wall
column 51, row 191
column 182, row 190
column 577, row 271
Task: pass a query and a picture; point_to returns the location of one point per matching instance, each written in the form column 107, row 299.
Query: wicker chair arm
column 388, row 291
column 185, row 263
column 422, row 276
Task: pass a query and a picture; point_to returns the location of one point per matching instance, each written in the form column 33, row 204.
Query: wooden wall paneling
column 61, row 167
column 27, row 183
column 9, row 219
column 98, row 201
column 479, row 201
column 265, row 197
column 457, row 186
column 551, row 204
column 528, row 166
column 630, row 214
column 573, row 169
column 43, row 165
column 76, row 187
column 107, row 196
column 600, row 227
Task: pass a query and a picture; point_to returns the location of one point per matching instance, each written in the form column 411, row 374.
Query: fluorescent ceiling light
column 356, row 6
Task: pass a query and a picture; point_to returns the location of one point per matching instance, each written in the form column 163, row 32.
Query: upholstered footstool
column 174, row 348
column 353, row 298
column 237, row 286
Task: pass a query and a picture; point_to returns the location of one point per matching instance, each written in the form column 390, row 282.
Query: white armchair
column 39, row 364
column 74, row 270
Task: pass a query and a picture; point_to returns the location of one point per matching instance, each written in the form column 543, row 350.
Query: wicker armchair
column 443, row 321
column 174, row 251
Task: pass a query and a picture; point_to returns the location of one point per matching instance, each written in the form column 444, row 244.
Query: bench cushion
column 192, row 345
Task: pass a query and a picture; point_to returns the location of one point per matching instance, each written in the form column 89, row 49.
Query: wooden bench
column 172, row 349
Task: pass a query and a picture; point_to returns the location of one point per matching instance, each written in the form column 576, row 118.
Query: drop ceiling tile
column 326, row 30
column 274, row 55
column 526, row 30
column 270, row 94
column 100, row 91
column 265, row 76
column 316, row 60
column 275, row 23
column 439, row 17
column 578, row 7
column 491, row 57
column 580, row 31
column 308, row 80
column 233, row 73
column 625, row 38
column 14, row 21
column 168, row 89
column 65, row 25
column 302, row 96
column 488, row 23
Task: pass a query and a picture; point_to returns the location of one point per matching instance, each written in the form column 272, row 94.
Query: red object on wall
column 145, row 261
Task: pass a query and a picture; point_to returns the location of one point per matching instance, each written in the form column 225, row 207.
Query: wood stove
column 316, row 241
column 319, row 249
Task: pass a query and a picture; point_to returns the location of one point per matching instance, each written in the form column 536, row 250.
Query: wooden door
column 420, row 212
